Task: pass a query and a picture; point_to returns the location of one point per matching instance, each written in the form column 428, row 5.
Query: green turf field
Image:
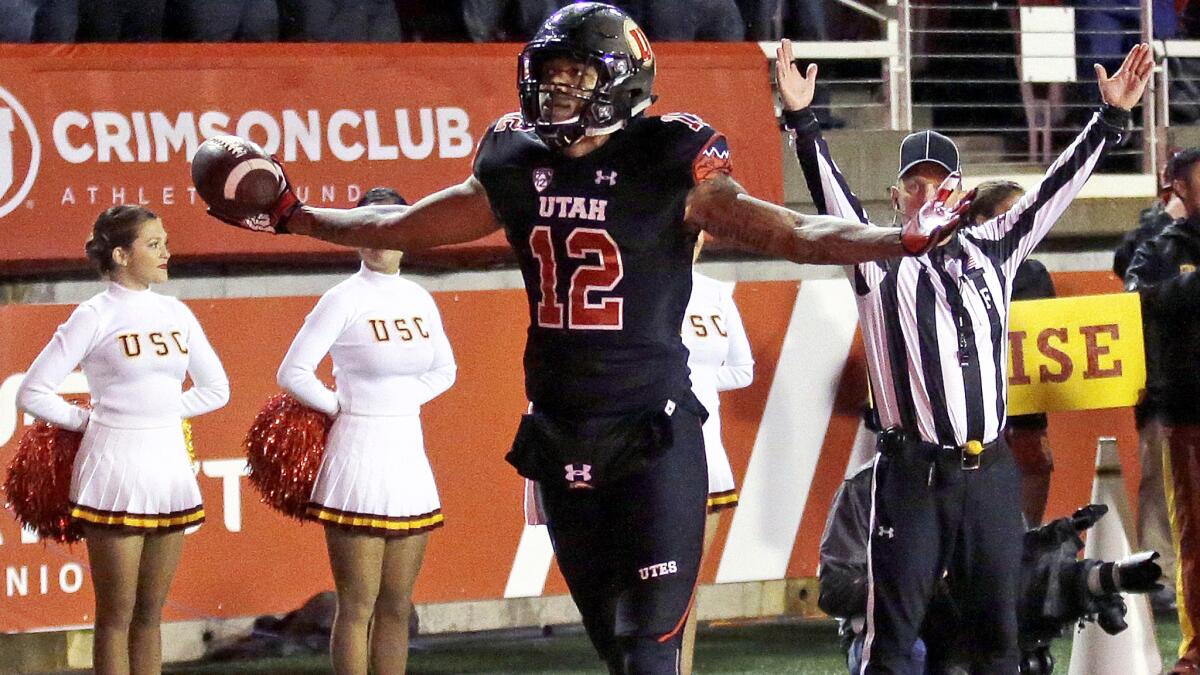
column 810, row 647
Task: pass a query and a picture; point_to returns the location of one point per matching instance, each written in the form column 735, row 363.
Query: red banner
column 84, row 127
column 248, row 560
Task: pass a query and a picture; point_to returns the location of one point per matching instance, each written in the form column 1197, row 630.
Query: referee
column 946, row 492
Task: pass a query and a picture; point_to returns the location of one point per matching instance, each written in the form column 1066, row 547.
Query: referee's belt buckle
column 971, row 452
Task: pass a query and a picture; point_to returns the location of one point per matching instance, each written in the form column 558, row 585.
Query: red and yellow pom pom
column 38, row 485
column 284, row 448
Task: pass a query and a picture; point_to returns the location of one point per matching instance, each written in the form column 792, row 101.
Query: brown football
column 235, row 177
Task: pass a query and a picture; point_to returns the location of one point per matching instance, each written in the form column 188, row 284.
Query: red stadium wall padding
column 83, row 127
column 249, row 560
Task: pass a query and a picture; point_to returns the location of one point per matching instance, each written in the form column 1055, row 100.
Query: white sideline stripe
column 240, row 171
column 788, row 444
column 1098, row 186
column 531, row 564
column 836, row 49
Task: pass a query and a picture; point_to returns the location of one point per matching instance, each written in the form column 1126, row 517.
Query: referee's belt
column 971, row 455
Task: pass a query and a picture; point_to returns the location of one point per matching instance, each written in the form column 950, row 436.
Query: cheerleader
column 374, row 492
column 720, row 360
column 133, row 490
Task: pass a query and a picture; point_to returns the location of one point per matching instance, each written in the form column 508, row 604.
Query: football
column 235, row 177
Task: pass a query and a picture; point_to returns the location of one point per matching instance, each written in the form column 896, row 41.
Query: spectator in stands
column 16, row 21
column 690, row 20
column 121, row 20
column 805, row 20
column 1153, row 524
column 759, row 18
column 1184, row 74
column 340, row 20
column 56, row 21
column 1106, row 29
column 1163, row 271
column 485, row 19
column 224, row 20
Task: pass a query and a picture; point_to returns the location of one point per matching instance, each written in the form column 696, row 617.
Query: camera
column 1059, row 591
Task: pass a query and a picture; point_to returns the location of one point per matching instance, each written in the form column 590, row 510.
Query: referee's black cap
column 927, row 146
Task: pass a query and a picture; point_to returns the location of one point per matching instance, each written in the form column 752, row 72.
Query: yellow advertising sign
column 1077, row 353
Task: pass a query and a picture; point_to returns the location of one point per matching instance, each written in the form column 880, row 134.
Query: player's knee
column 649, row 656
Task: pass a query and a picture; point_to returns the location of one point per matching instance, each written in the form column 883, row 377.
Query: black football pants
column 630, row 553
column 930, row 517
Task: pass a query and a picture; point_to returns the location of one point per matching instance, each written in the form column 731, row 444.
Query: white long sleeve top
column 135, row 348
column 719, row 352
column 389, row 349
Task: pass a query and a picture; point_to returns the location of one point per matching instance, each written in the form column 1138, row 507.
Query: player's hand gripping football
column 1124, row 89
column 272, row 220
column 936, row 221
column 795, row 90
column 242, row 186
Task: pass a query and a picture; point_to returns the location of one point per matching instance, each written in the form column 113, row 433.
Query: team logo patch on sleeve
column 712, row 160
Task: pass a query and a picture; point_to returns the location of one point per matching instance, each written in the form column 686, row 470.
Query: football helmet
column 611, row 86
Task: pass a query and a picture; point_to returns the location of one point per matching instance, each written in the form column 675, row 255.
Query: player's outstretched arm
column 454, row 215
column 722, row 207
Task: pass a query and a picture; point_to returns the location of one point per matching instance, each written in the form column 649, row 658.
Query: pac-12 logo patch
column 20, row 153
column 542, row 177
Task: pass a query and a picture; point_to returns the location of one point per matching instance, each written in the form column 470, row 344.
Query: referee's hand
column 936, row 222
column 795, row 90
column 1124, row 89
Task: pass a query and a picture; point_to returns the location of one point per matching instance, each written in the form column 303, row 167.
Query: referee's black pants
column 630, row 552
column 930, row 518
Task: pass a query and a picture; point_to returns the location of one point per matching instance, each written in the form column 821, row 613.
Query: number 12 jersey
column 604, row 254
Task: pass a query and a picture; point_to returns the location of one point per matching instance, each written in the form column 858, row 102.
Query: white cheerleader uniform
column 390, row 355
column 720, row 360
column 135, row 347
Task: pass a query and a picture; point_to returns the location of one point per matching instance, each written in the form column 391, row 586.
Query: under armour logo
column 579, row 477
column 886, row 532
column 611, row 178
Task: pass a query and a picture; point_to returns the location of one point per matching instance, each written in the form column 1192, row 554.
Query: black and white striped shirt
column 936, row 326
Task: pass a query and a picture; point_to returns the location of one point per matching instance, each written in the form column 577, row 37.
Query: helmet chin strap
column 612, row 128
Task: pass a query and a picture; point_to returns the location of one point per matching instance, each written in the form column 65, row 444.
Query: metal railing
column 1015, row 83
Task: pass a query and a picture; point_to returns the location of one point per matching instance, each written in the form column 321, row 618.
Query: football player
column 602, row 205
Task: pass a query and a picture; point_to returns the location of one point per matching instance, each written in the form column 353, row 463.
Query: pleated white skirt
column 375, row 477
column 722, row 492
column 135, row 479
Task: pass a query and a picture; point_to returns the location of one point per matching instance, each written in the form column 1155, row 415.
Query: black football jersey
column 604, row 254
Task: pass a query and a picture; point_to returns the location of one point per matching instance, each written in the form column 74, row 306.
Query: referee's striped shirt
column 936, row 326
